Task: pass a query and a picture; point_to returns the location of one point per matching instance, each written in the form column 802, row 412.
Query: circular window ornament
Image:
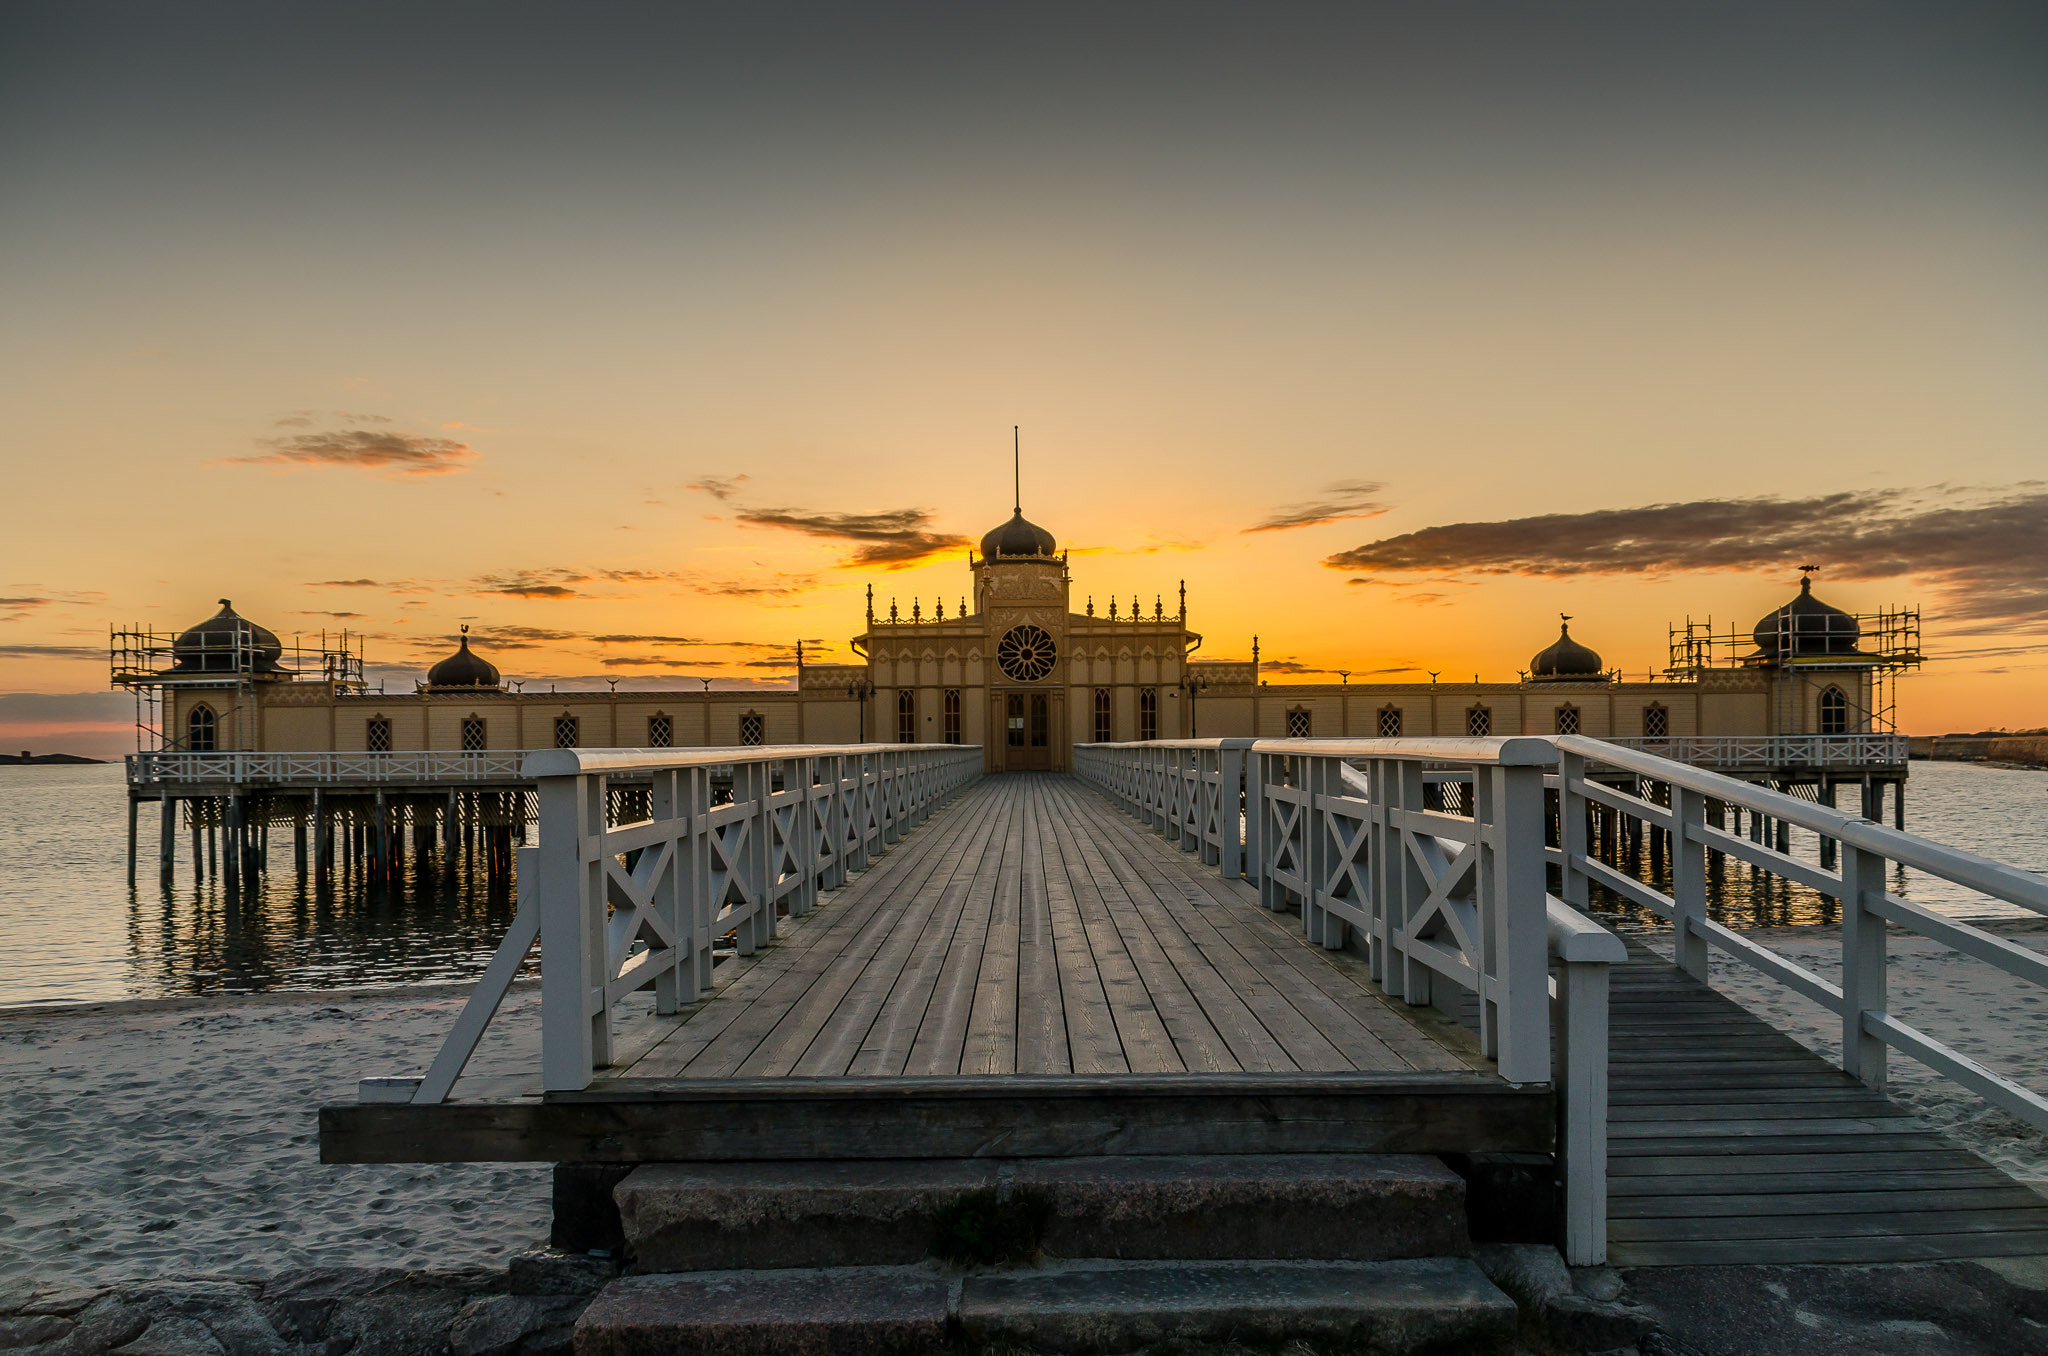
column 1026, row 653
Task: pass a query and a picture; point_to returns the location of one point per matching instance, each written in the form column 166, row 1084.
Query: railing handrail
column 1984, row 874
column 1493, row 751
column 568, row 762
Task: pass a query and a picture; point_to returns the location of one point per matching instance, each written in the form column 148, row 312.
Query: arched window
column 1656, row 722
column 1148, row 713
column 1301, row 722
column 1103, row 729
column 1834, row 711
column 1390, row 722
column 475, row 738
column 753, row 729
column 661, row 731
column 377, row 735
column 566, row 732
column 1479, row 722
column 202, row 730
column 952, row 714
column 1567, row 719
column 906, row 717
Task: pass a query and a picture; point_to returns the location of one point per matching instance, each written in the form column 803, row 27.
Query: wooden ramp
column 1729, row 1141
column 1028, row 972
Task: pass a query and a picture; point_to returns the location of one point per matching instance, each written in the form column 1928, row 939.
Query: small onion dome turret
column 227, row 643
column 1565, row 660
column 464, row 668
column 1018, row 537
column 1806, row 627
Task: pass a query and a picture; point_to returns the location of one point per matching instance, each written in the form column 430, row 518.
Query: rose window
column 1026, row 653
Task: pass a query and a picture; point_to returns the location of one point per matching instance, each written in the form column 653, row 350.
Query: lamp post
column 1191, row 684
column 860, row 690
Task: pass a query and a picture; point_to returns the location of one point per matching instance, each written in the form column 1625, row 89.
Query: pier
column 1226, row 948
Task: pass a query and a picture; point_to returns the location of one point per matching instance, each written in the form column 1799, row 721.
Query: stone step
column 1410, row 1305
column 719, row 1216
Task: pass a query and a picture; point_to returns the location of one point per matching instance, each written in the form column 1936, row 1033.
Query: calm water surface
column 71, row 929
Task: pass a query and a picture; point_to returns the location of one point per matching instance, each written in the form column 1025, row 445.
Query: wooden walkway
column 1729, row 1141
column 1031, row 928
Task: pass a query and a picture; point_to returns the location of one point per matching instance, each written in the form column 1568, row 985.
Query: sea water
column 72, row 929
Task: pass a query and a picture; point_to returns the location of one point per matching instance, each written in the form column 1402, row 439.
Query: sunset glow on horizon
column 644, row 340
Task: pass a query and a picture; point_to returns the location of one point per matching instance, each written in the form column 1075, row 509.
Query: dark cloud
column 368, row 449
column 650, row 640
column 892, row 539
column 388, row 585
column 342, row 616
column 1981, row 550
column 1337, row 501
column 550, row 583
column 14, row 609
column 781, row 586
column 53, row 652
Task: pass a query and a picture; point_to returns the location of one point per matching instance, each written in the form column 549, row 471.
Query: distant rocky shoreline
column 2026, row 750
column 27, row 759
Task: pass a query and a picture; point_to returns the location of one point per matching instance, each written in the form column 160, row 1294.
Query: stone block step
column 716, row 1216
column 1411, row 1305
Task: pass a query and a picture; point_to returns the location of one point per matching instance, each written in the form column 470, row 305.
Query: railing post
column 1581, row 1082
column 1229, row 802
column 1863, row 963
column 1571, row 828
column 1324, row 777
column 1514, row 923
column 803, row 821
column 575, row 1020
column 1688, row 880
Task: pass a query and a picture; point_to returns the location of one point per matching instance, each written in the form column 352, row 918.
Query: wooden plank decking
column 1033, row 929
column 1728, row 1141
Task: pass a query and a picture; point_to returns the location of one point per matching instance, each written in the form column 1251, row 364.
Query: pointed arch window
column 661, row 731
column 1148, row 713
column 1656, row 721
column 1301, row 722
column 377, row 735
column 906, row 717
column 475, row 736
column 1479, row 722
column 202, row 730
column 1567, row 719
column 952, row 712
column 1103, row 730
column 1390, row 722
column 567, row 731
column 753, row 729
column 1834, row 711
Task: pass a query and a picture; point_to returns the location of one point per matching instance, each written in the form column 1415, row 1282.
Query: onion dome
column 1018, row 537
column 227, row 643
column 464, row 668
column 1566, row 660
column 1806, row 627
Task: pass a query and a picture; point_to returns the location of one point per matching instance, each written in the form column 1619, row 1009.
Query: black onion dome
column 227, row 643
column 1018, row 537
column 464, row 668
column 1806, row 626
column 1566, row 659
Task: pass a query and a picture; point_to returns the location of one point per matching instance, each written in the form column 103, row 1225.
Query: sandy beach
column 171, row 1137
column 161, row 1138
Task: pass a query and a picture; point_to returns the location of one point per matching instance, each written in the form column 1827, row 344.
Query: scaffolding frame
column 1889, row 645
column 141, row 658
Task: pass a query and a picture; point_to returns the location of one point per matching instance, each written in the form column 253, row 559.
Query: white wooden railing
column 1759, row 752
column 173, row 770
column 1866, row 851
column 622, row 908
column 1340, row 829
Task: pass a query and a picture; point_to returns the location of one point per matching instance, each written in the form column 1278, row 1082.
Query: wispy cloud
column 892, row 538
column 53, row 652
column 1337, row 501
column 1979, row 549
column 364, row 445
column 544, row 583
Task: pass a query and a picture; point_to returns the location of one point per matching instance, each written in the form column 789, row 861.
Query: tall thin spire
column 1017, row 465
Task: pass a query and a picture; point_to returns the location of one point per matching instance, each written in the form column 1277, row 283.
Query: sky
column 643, row 339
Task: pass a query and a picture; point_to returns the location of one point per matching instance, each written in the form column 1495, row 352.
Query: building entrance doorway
column 1027, row 731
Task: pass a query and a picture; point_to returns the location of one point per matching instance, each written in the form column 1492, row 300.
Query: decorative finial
column 1017, row 465
column 1158, row 607
column 1091, row 604
column 1255, row 652
column 1183, row 600
column 465, row 628
column 226, row 604
column 1112, row 607
column 892, row 609
column 963, row 605
column 871, row 602
column 916, row 610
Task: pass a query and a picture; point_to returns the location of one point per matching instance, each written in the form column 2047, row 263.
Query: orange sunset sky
column 644, row 339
